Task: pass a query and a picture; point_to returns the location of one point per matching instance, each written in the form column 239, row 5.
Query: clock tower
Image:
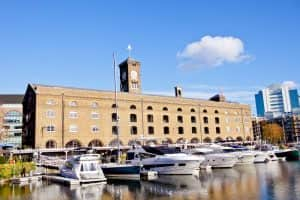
column 130, row 78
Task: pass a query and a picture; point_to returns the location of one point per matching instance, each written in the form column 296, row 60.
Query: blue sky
column 70, row 43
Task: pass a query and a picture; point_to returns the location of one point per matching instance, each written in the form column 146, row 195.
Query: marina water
column 260, row 181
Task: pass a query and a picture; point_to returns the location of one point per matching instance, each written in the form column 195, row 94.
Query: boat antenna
column 116, row 108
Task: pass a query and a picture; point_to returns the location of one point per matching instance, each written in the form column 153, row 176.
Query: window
column 95, row 105
column 95, row 115
column 205, row 120
column 218, row 130
column 206, row 130
column 50, row 128
column 73, row 128
column 132, row 107
column 216, row 111
column 149, row 108
column 50, row 102
column 95, row 129
column 166, row 130
column 114, row 105
column 114, row 117
column 150, row 130
column 194, row 130
column 205, row 111
column 165, row 109
column 73, row 114
column 217, row 120
column 50, row 114
column 179, row 109
column 193, row 119
column 193, row 110
column 114, row 130
column 180, row 130
column 133, row 130
column 165, row 118
column 227, row 129
column 133, row 118
column 150, row 118
column 73, row 103
column 180, row 119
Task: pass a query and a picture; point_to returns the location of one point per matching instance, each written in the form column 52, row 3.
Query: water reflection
column 262, row 181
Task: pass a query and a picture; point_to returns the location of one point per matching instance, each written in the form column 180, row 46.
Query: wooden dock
column 69, row 181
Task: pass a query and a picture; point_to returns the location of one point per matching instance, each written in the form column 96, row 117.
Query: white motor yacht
column 85, row 168
column 213, row 159
column 261, row 157
column 164, row 160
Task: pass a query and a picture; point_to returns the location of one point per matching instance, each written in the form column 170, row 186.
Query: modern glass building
column 276, row 99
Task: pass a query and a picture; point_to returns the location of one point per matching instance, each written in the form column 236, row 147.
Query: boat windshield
column 161, row 150
column 89, row 166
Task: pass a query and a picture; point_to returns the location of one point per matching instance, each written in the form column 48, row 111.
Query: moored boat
column 288, row 154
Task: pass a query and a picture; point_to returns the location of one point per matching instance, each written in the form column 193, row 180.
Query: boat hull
column 121, row 171
column 290, row 155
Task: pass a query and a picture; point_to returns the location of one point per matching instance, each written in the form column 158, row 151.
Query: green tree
column 272, row 133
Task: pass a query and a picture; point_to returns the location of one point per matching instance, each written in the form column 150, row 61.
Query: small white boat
column 261, row 157
column 213, row 159
column 85, row 168
column 164, row 160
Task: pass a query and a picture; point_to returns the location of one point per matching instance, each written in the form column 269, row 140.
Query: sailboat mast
column 116, row 109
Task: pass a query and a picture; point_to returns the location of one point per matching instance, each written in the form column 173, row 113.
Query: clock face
column 133, row 75
column 124, row 76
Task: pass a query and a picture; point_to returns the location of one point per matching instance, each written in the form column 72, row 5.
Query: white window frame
column 73, row 128
column 73, row 103
column 50, row 114
column 50, row 102
column 73, row 115
column 95, row 113
column 50, row 129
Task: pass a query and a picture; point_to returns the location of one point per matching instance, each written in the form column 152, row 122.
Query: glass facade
column 294, row 98
column 12, row 128
column 259, row 101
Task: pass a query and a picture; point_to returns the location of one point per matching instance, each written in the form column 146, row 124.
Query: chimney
column 178, row 91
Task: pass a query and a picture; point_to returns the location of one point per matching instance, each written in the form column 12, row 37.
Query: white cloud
column 212, row 51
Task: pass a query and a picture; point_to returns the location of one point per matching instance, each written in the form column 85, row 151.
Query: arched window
column 194, row 130
column 180, row 130
column 149, row 108
column 95, row 105
column 193, row 110
column 73, row 103
column 95, row 143
column 51, row 144
column 193, row 119
column 180, row 141
column 167, row 141
column 205, row 120
column 239, row 138
column 150, row 130
column 133, row 118
column 218, row 130
column 207, row 140
column 179, row 109
column 216, row 111
column 205, row 111
column 165, row 118
column 150, row 118
column 165, row 109
column 194, row 140
column 166, row 130
column 133, row 130
column 217, row 120
column 248, row 138
column 218, row 139
column 115, row 142
column 132, row 107
column 73, row 144
column 206, row 130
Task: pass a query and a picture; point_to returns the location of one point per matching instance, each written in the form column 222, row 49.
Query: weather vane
column 129, row 49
